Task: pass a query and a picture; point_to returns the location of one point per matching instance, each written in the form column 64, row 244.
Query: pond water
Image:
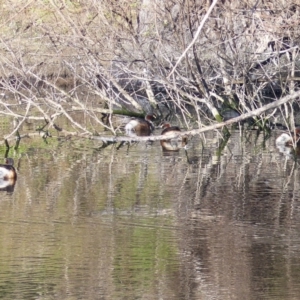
column 217, row 222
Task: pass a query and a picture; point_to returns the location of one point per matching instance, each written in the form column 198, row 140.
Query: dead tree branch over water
column 115, row 139
column 193, row 132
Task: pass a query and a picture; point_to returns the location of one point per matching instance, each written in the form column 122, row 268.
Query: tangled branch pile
column 75, row 60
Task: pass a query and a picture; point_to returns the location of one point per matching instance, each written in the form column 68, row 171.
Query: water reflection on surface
column 137, row 223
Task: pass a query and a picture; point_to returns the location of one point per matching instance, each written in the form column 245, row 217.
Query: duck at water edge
column 173, row 144
column 289, row 139
column 7, row 185
column 7, row 170
column 140, row 127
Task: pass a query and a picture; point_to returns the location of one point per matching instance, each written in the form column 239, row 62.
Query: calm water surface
column 217, row 222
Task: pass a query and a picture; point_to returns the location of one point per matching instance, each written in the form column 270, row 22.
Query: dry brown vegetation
column 64, row 58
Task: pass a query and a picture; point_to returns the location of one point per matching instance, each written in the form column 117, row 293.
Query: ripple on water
column 215, row 222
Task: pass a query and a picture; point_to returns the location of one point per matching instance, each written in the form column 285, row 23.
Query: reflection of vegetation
column 143, row 254
column 223, row 142
column 125, row 223
column 103, row 58
column 26, row 144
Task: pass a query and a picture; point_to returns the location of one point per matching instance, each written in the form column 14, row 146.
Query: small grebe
column 7, row 171
column 7, row 185
column 289, row 139
column 173, row 144
column 140, row 127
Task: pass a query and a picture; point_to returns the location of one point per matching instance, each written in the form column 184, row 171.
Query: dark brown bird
column 173, row 144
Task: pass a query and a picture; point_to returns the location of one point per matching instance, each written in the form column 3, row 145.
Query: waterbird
column 289, row 139
column 140, row 127
column 173, row 144
column 7, row 185
column 7, row 170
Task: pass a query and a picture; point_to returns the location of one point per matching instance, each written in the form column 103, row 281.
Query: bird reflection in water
column 174, row 144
